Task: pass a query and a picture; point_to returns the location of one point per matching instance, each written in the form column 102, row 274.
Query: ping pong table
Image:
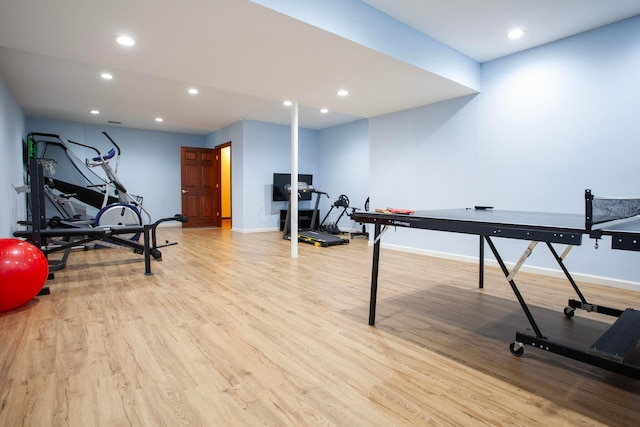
column 617, row 218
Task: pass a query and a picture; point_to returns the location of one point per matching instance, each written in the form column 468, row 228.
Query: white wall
column 12, row 123
column 549, row 123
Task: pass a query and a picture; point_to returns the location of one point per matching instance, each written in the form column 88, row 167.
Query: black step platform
column 618, row 341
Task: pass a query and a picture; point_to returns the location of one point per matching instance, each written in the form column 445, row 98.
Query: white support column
column 294, row 180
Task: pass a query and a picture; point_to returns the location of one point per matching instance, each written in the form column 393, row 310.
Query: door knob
column 185, row 191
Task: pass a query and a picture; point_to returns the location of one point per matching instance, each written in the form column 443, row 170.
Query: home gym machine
column 65, row 235
column 311, row 236
column 72, row 190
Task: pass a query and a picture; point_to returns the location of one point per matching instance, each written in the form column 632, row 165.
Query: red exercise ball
column 23, row 272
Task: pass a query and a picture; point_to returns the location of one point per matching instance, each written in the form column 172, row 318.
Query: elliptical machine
column 129, row 209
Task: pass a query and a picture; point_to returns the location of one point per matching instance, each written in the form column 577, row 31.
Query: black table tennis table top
column 550, row 227
column 499, row 216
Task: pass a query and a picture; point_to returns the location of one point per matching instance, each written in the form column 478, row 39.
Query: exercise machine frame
column 310, row 236
column 40, row 235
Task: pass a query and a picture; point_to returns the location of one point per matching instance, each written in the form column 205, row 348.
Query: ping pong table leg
column 374, row 275
column 583, row 303
column 515, row 289
column 560, row 260
column 481, row 263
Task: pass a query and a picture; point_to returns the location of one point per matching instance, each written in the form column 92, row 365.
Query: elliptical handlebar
column 113, row 142
column 109, row 155
column 100, row 158
column 117, row 148
column 86, row 146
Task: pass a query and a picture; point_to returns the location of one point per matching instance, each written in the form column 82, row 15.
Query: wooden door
column 200, row 186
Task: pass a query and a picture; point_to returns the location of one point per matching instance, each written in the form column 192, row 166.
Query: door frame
column 219, row 148
column 217, row 220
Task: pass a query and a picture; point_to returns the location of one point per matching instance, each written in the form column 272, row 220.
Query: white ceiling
column 246, row 59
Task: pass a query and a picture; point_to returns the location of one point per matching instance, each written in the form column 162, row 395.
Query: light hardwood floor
column 231, row 331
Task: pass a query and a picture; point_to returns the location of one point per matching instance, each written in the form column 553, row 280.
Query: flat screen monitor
column 280, row 194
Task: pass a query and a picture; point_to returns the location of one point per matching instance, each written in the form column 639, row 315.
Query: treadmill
column 311, row 236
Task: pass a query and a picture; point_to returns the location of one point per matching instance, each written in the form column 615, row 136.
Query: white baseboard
column 550, row 272
column 254, row 230
column 170, row 224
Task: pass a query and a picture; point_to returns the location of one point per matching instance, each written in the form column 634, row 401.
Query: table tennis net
column 605, row 209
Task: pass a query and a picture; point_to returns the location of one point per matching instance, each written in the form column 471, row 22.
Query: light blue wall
column 343, row 160
column 150, row 161
column 234, row 134
column 12, row 124
column 337, row 157
column 549, row 123
column 265, row 150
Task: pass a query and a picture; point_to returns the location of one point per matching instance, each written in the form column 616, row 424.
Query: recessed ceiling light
column 193, row 91
column 288, row 103
column 343, row 92
column 324, row 111
column 125, row 40
column 516, row 33
column 95, row 112
column 159, row 119
column 106, row 76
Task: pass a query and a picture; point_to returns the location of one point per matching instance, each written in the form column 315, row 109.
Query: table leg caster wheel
column 516, row 348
